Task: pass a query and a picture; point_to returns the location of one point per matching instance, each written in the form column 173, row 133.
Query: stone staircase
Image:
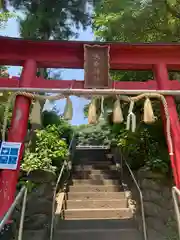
column 96, row 205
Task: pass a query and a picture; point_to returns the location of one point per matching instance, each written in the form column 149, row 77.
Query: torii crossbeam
column 55, row 54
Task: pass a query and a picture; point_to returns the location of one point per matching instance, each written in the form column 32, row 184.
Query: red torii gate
column 55, row 54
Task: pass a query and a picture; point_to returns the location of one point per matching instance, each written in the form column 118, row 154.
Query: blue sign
column 9, row 155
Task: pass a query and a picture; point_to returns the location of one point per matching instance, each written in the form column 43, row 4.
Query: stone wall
column 39, row 205
column 158, row 205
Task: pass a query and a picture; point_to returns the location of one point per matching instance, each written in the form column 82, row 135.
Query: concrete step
column 94, row 188
column 98, row 213
column 96, row 182
column 100, row 234
column 95, row 195
column 96, row 174
column 96, row 224
column 94, row 167
column 112, row 203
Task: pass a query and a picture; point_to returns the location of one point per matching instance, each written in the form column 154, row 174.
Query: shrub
column 50, row 151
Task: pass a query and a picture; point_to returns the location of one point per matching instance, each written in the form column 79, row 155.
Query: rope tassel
column 101, row 117
column 92, row 116
column 35, row 117
column 117, row 112
column 148, row 112
column 68, row 110
column 131, row 118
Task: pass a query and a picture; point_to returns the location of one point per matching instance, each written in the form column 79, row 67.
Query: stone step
column 98, row 213
column 94, row 188
column 34, row 234
column 94, row 163
column 95, row 195
column 97, row 182
column 100, row 234
column 96, row 171
column 94, row 167
column 99, row 154
column 112, row 203
column 85, row 158
column 96, row 174
column 96, row 224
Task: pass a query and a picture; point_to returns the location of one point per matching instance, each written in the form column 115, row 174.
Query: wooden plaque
column 96, row 66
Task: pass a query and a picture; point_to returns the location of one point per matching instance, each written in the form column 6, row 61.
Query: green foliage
column 64, row 128
column 144, row 147
column 52, row 19
column 95, row 135
column 137, row 21
column 50, row 118
column 50, row 151
column 4, row 17
column 131, row 75
column 29, row 184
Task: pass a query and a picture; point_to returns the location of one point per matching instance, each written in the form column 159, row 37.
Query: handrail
column 140, row 194
column 175, row 192
column 65, row 165
column 141, row 200
column 21, row 225
column 22, row 194
column 92, row 147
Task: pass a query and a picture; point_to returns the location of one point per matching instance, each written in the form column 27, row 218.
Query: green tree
column 137, row 21
column 53, row 19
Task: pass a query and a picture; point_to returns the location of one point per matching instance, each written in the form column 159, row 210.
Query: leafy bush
column 64, row 129
column 95, row 135
column 50, row 150
column 144, row 149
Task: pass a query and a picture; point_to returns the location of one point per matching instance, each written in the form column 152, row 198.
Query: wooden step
column 98, row 213
column 100, row 234
column 96, row 224
column 95, row 195
column 94, row 188
column 112, row 203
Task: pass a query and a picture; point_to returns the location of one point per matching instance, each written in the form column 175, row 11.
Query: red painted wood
column 67, row 54
column 164, row 84
column 9, row 82
column 17, row 133
column 39, row 82
column 77, row 84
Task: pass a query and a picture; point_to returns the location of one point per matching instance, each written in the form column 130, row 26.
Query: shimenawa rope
column 132, row 100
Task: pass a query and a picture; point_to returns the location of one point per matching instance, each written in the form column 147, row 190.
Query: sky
column 12, row 30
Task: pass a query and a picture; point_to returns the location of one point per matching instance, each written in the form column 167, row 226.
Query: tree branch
column 172, row 10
